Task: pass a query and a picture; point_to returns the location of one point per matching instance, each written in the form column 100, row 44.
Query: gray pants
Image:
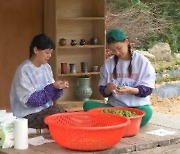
column 36, row 120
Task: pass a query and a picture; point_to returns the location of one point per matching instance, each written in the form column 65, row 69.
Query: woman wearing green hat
column 127, row 77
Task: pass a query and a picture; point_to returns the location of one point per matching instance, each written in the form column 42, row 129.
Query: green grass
column 168, row 79
column 161, row 66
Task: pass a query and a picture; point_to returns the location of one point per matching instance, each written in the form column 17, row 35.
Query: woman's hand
column 61, row 84
column 109, row 88
column 126, row 89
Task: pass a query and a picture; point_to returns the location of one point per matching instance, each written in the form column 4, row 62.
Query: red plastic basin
column 135, row 121
column 87, row 131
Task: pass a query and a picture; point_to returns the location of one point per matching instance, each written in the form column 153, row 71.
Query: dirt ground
column 166, row 105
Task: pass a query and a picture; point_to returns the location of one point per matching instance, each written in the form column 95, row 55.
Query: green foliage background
column 167, row 11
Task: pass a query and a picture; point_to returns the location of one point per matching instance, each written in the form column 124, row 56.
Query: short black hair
column 41, row 42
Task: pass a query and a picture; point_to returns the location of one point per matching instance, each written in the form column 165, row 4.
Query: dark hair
column 41, row 42
column 130, row 65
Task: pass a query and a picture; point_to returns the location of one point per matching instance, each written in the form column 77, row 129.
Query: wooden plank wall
column 20, row 20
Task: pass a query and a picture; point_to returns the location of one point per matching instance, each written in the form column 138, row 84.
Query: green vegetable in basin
column 125, row 113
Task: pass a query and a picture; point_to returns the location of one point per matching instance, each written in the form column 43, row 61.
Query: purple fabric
column 101, row 90
column 144, row 91
column 40, row 98
column 58, row 93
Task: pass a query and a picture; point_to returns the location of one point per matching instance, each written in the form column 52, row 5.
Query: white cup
column 21, row 134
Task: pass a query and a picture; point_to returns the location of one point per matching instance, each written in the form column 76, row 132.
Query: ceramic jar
column 72, row 68
column 63, row 68
column 84, row 67
column 83, row 91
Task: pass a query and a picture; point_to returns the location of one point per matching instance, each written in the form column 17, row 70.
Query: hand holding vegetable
column 61, row 84
column 110, row 87
column 127, row 89
column 123, row 90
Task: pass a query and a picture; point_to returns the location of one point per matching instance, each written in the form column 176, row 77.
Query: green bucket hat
column 115, row 35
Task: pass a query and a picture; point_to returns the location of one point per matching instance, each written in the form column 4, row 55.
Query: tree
column 146, row 22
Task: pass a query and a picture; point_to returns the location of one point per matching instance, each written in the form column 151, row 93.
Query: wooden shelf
column 79, row 74
column 75, row 102
column 82, row 18
column 80, row 46
column 76, row 20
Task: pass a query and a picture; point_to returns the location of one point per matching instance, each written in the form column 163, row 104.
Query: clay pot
column 62, row 42
column 82, row 42
column 94, row 41
column 73, row 42
column 95, row 68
